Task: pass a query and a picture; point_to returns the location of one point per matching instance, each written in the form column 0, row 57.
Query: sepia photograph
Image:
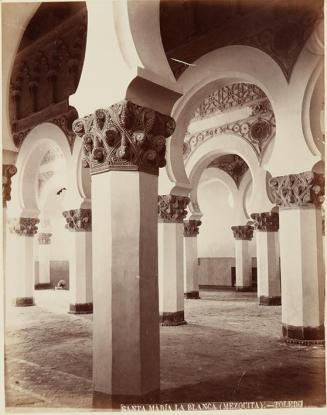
column 163, row 180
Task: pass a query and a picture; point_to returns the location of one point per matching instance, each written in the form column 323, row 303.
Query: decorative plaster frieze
column 266, row 221
column 233, row 165
column 257, row 130
column 46, row 71
column 298, row 190
column 243, row 232
column 44, row 238
column 124, row 136
column 78, row 220
column 8, row 170
column 229, row 98
column 191, row 228
column 172, row 208
column 23, row 226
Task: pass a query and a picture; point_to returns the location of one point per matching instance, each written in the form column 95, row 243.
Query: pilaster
column 8, row 171
column 22, row 271
column 191, row 280
column 299, row 198
column 44, row 239
column 124, row 146
column 266, row 225
column 243, row 234
column 79, row 225
column 171, row 213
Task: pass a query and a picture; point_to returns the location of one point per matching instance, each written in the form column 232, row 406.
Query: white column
column 267, row 245
column 21, row 259
column 171, row 210
column 243, row 260
column 125, row 283
column 79, row 224
column 191, row 280
column 44, row 240
column 8, row 170
column 124, row 148
column 302, row 278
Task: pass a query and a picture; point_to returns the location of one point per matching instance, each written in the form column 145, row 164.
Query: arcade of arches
column 163, row 197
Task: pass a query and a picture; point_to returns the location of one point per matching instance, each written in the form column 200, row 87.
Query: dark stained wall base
column 86, row 308
column 269, row 300
column 104, row 401
column 246, row 289
column 172, row 319
column 216, row 287
column 24, row 301
column 192, row 295
column 303, row 335
column 43, row 286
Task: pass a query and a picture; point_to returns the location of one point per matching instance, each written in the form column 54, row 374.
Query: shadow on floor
column 248, row 387
column 259, row 386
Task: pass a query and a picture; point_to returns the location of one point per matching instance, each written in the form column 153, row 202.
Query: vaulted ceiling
column 192, row 28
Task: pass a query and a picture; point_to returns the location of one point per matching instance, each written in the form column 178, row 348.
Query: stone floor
column 230, row 350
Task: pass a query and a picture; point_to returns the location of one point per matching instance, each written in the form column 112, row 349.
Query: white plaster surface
column 80, row 266
column 191, row 282
column 171, row 271
column 243, row 263
column 44, row 263
column 268, row 270
column 125, row 285
column 302, row 278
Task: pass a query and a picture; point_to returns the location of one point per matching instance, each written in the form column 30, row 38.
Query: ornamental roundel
column 260, row 130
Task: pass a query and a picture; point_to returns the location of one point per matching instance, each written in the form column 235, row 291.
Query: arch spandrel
column 25, row 200
column 213, row 71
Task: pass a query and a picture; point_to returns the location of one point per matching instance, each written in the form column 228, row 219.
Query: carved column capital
column 191, row 228
column 78, row 220
column 8, row 170
column 124, row 136
column 266, row 221
column 23, row 226
column 244, row 233
column 172, row 208
column 44, row 238
column 305, row 189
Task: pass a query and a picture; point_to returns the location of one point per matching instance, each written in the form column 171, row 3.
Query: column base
column 245, row 289
column 172, row 319
column 43, row 286
column 192, row 295
column 263, row 300
column 23, row 301
column 105, row 401
column 82, row 308
column 304, row 335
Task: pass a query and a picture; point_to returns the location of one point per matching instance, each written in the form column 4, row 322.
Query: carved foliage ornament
column 172, row 208
column 44, row 238
column 227, row 98
column 78, row 220
column 191, row 228
column 298, row 190
column 8, row 170
column 233, row 165
column 244, row 232
column 266, row 221
column 23, row 226
column 124, row 136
